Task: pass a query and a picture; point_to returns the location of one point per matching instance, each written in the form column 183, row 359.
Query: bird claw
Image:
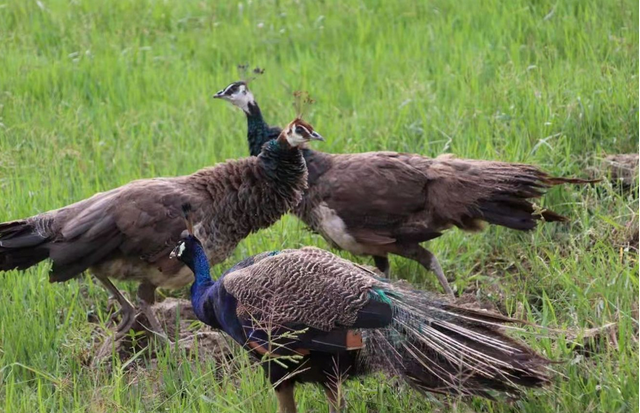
column 128, row 319
column 154, row 324
column 146, row 319
column 113, row 317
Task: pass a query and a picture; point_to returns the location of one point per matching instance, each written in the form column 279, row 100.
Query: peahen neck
column 257, row 128
column 259, row 132
column 284, row 164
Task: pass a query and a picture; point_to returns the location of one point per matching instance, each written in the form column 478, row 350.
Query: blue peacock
column 311, row 316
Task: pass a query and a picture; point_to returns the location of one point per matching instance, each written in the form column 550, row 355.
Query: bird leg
column 127, row 309
column 428, row 261
column 128, row 319
column 382, row 263
column 114, row 316
column 336, row 402
column 433, row 263
column 286, row 401
column 146, row 298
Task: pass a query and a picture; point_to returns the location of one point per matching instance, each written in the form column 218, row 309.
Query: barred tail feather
column 439, row 347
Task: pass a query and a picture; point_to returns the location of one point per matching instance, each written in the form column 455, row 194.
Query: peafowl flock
column 381, row 203
column 325, row 319
column 127, row 233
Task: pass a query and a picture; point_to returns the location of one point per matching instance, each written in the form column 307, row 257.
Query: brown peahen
column 312, row 317
column 380, row 203
column 127, row 233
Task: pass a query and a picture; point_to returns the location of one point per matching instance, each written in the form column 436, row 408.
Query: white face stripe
column 240, row 88
column 305, row 129
column 242, row 98
column 294, row 138
column 226, row 89
column 181, row 249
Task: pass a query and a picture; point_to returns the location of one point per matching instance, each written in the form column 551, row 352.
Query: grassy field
column 94, row 94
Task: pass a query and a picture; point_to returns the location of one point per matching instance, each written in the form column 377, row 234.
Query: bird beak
column 174, row 253
column 315, row 136
column 219, row 95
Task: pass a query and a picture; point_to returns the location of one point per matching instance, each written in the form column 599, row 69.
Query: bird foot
column 154, row 327
column 112, row 342
column 113, row 318
column 115, row 309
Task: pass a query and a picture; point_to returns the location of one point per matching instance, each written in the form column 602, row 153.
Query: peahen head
column 298, row 132
column 238, row 94
column 189, row 249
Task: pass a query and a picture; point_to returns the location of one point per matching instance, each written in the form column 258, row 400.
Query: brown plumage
column 381, row 203
column 310, row 304
column 127, row 233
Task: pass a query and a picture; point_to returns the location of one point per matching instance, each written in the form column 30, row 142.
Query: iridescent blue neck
column 257, row 129
column 201, row 268
column 203, row 290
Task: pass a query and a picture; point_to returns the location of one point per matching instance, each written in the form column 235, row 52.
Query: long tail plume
column 440, row 347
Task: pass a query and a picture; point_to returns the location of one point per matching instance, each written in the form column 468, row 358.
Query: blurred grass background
column 94, row 94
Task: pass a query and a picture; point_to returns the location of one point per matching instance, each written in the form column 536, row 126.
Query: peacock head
column 189, row 247
column 186, row 251
column 238, row 94
column 298, row 132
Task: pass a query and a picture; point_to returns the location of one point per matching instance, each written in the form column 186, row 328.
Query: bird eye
column 299, row 130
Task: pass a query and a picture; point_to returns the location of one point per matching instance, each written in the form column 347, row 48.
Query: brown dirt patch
column 181, row 327
column 622, row 168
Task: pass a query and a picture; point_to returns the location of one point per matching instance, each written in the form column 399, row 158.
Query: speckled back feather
column 308, row 286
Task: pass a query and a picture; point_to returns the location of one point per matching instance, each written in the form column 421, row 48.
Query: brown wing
column 379, row 196
column 142, row 219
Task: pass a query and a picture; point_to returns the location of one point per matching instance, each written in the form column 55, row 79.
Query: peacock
column 381, row 203
column 312, row 317
column 127, row 233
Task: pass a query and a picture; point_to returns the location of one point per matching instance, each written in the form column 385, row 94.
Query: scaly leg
column 127, row 309
column 382, row 263
column 431, row 261
column 128, row 319
column 147, row 296
column 286, row 401
column 427, row 260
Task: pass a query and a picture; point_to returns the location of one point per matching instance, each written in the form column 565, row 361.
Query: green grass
column 94, row 94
